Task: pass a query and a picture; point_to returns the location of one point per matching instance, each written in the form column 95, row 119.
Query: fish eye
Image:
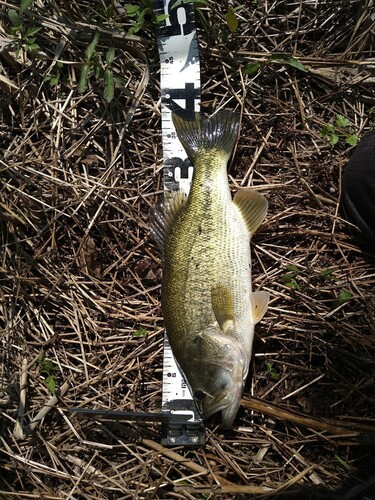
column 199, row 394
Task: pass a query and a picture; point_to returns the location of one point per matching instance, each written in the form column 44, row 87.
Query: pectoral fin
column 253, row 207
column 259, row 304
column 223, row 308
column 164, row 215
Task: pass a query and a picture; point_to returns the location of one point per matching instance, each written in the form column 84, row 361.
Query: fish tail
column 196, row 132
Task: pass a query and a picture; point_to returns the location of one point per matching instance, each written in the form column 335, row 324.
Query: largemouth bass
column 208, row 307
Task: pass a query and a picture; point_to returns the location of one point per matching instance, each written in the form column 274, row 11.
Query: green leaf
column 344, row 296
column 83, row 78
column 109, row 85
column 296, row 64
column 51, row 384
column 279, row 58
column 91, row 48
column 328, row 130
column 54, row 80
column 352, row 140
column 290, row 61
column 251, row 68
column 25, row 4
column 141, row 332
column 232, row 20
column 14, row 17
column 32, row 31
column 110, row 55
column 326, row 273
column 288, row 276
column 342, row 121
column 271, row 371
column 98, row 72
column 161, row 17
column 132, row 10
column 342, row 462
column 132, row 30
column 110, row 11
column 239, row 7
column 292, row 283
column 292, row 267
column 33, row 47
column 47, row 366
column 334, row 139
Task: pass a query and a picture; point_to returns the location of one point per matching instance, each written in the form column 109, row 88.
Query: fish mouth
column 228, row 403
column 228, row 399
column 229, row 413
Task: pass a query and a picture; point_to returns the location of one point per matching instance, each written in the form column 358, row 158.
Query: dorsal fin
column 253, row 207
column 164, row 215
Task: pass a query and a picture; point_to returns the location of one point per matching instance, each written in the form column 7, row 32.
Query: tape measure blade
column 174, row 383
column 179, row 82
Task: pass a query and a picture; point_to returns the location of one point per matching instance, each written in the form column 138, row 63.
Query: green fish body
column 208, row 307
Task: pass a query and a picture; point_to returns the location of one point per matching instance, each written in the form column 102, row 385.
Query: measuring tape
column 180, row 87
column 181, row 423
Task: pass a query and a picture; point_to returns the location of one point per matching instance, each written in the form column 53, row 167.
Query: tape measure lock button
column 187, row 413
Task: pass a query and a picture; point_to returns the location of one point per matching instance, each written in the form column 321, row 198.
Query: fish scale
column 208, row 308
column 232, row 265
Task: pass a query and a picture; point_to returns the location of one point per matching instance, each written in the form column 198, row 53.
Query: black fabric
column 358, row 186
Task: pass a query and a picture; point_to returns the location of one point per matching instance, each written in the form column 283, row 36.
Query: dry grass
column 80, row 275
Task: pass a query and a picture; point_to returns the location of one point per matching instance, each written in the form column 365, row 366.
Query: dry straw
column 80, row 276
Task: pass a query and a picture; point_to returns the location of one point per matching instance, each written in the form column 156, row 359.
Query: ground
column 81, row 165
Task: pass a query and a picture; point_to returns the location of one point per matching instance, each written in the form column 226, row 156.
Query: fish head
column 217, row 370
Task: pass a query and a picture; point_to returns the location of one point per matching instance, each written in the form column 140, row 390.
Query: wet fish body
column 208, row 307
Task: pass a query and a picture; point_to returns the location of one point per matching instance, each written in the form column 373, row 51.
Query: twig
column 18, row 428
column 44, row 411
column 319, row 425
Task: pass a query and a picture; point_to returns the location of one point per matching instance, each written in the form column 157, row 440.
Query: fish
column 208, row 306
